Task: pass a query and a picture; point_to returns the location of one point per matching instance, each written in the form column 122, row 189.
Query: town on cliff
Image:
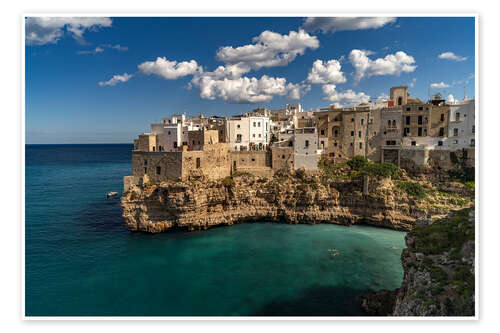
column 402, row 164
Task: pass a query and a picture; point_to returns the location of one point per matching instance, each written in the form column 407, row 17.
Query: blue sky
column 167, row 65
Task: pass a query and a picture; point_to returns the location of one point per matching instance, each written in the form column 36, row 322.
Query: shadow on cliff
column 318, row 301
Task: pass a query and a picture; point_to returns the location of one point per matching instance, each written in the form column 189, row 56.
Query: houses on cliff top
column 402, row 130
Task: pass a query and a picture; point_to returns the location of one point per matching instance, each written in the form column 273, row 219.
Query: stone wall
column 159, row 166
column 248, row 160
column 282, row 158
column 213, row 162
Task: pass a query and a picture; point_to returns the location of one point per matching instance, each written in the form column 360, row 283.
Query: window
column 336, row 133
column 457, row 116
column 322, row 132
column 472, row 142
column 322, row 144
column 406, row 131
column 359, row 134
column 253, row 159
column 414, row 143
column 473, row 128
column 408, row 118
column 283, row 156
column 154, row 148
column 390, row 143
column 238, row 138
column 400, row 100
column 420, row 108
column 455, row 142
column 168, row 132
column 254, row 124
column 352, row 120
column 158, row 170
column 360, row 145
column 352, row 133
column 425, row 131
column 442, row 116
column 441, row 131
column 420, row 120
column 184, row 143
column 258, row 124
column 238, row 126
column 253, row 135
column 260, row 135
column 198, row 163
column 455, row 132
column 420, row 131
column 307, row 143
column 362, row 121
column 175, row 144
column 389, row 123
column 351, row 144
column 393, row 123
column 408, row 109
column 440, row 143
column 145, row 170
column 335, row 144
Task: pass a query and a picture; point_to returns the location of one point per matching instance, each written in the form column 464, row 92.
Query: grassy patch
column 412, row 189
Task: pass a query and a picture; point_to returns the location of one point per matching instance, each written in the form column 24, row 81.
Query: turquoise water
column 81, row 260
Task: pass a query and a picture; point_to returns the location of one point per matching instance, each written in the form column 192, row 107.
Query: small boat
column 111, row 194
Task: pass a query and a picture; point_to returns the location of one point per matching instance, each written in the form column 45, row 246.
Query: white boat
column 111, row 194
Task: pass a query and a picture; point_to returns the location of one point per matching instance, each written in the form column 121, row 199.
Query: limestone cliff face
column 438, row 268
column 199, row 205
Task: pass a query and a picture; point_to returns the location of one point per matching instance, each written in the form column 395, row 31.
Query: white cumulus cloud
column 169, row 70
column 326, row 72
column 242, row 90
column 116, row 79
column 451, row 56
column 348, row 97
column 94, row 51
column 332, row 24
column 439, row 85
column 450, row 98
column 269, row 49
column 48, row 30
column 391, row 64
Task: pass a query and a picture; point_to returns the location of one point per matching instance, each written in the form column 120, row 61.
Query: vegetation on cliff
column 439, row 271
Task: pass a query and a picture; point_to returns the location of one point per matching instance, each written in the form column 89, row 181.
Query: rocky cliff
column 300, row 198
column 438, row 268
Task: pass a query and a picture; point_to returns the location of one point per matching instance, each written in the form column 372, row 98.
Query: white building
column 248, row 133
column 172, row 133
column 461, row 129
column 305, row 147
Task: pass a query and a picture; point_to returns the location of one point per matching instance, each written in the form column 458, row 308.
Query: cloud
column 383, row 97
column 450, row 98
column 169, row 70
column 116, row 79
column 243, row 90
column 392, row 64
column 347, row 97
column 94, row 51
column 269, row 49
column 439, row 85
column 49, row 30
column 451, row 56
column 412, row 82
column 327, row 72
column 116, row 47
column 333, row 24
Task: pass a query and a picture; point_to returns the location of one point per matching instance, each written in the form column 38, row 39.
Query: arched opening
column 400, row 100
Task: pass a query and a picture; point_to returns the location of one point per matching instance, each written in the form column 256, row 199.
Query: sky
column 106, row 79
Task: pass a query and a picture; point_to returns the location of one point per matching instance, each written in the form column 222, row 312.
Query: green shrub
column 357, row 163
column 228, row 182
column 242, row 174
column 470, row 184
column 387, row 170
column 300, row 173
column 413, row 189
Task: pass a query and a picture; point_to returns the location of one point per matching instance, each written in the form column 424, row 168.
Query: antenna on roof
column 465, row 94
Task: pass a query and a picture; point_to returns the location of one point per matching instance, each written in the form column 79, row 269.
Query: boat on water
column 111, row 194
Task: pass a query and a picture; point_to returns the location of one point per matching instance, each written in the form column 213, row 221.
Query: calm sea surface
column 82, row 261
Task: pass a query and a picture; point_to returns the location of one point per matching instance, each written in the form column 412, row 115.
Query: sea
column 80, row 259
